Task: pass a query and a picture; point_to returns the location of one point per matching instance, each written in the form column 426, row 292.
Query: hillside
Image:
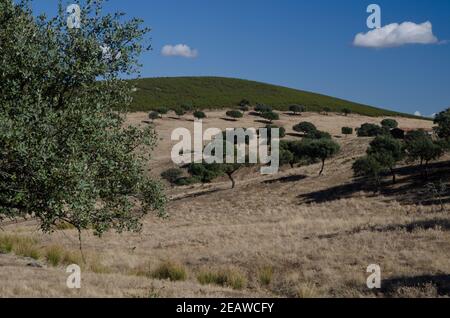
column 218, row 92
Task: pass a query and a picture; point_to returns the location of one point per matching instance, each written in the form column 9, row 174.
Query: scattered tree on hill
column 281, row 131
column 346, row 111
column 443, row 121
column 187, row 107
column 163, row 110
column 270, row 116
column 260, row 108
column 244, row 103
column 398, row 133
column 389, row 123
column 296, row 109
column 235, row 114
column 66, row 155
column 370, row 168
column 199, row 114
column 244, row 108
column 305, row 127
column 387, row 151
column 326, row 110
column 153, row 116
column 322, row 149
column 318, row 134
column 370, row 130
column 420, row 147
column 172, row 175
column 180, row 112
column 347, row 131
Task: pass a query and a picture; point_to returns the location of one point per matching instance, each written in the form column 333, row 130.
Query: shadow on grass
column 410, row 189
column 440, row 282
column 286, row 179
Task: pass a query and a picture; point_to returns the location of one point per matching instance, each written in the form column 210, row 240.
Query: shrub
column 163, row 110
column 263, row 108
column 180, row 112
column 172, row 175
column 442, row 120
column 347, row 131
column 235, row 114
column 370, row 130
column 398, row 133
column 187, row 181
column 187, row 107
column 346, row 111
column 244, row 103
column 226, row 278
column 389, row 123
column 153, row 116
column 326, row 110
column 282, row 131
column 270, row 116
column 305, row 127
column 322, row 149
column 6, row 244
column 54, row 255
column 265, row 275
column 318, row 134
column 205, row 172
column 368, row 167
column 171, row 271
column 244, row 108
column 296, row 109
column 199, row 115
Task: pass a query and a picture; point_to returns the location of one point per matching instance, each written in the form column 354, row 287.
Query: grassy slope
column 218, row 92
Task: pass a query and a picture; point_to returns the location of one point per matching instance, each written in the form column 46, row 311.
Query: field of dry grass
column 290, row 235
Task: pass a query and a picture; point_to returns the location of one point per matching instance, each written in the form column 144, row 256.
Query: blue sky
column 301, row 44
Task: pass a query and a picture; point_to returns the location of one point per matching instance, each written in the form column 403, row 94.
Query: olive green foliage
column 235, row 114
column 172, row 175
column 318, row 134
column 346, row 111
column 297, row 109
column 389, row 123
column 244, row 103
column 347, row 131
column 180, row 112
column 163, row 110
column 154, row 115
column 387, row 151
column 199, row 114
column 305, row 127
column 261, row 108
column 281, row 131
column 421, row 147
column 370, row 130
column 442, row 120
column 66, row 155
column 368, row 167
column 270, row 116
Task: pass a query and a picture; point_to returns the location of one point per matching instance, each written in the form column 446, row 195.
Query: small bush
column 318, row 134
column 265, row 275
column 305, row 127
column 296, row 109
column 171, row 271
column 235, row 114
column 180, row 112
column 26, row 247
column 6, row 244
column 163, row 110
column 389, row 123
column 270, row 116
column 263, row 108
column 199, row 115
column 370, row 130
column 226, row 278
column 244, row 108
column 54, row 255
column 346, row 111
column 187, row 181
column 347, row 131
column 172, row 175
column 153, row 116
column 281, row 131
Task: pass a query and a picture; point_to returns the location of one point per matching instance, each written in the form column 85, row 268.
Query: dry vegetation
column 290, row 235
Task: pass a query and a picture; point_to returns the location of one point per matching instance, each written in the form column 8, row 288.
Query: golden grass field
column 290, row 235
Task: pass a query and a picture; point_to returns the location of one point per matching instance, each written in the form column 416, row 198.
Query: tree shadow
column 295, row 135
column 440, row 282
column 410, row 189
column 229, row 119
column 287, row 179
column 262, row 121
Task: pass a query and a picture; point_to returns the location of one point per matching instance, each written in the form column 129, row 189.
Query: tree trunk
column 81, row 246
column 233, row 182
column 321, row 169
column 394, row 181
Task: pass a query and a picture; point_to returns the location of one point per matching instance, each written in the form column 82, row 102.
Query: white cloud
column 395, row 34
column 182, row 50
column 417, row 113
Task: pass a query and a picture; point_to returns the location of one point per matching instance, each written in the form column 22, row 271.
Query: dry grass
column 317, row 233
column 232, row 278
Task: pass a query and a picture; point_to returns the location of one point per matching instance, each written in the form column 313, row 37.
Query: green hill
column 218, row 92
